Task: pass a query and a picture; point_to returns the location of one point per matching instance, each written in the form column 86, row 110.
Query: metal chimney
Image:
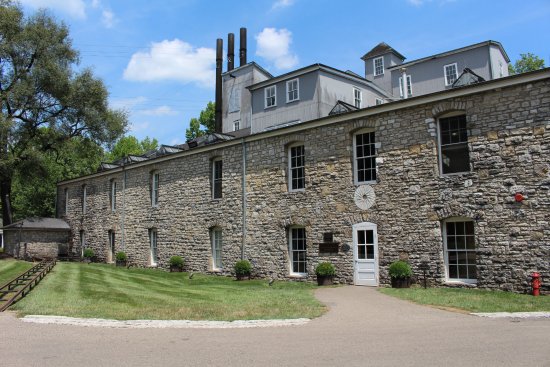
column 219, row 62
column 230, row 51
column 242, row 50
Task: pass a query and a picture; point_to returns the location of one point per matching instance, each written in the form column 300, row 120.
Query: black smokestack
column 219, row 61
column 230, row 51
column 242, row 50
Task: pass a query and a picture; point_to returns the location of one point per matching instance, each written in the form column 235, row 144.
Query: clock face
column 364, row 197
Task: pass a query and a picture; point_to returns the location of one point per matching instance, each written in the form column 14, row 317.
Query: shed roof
column 40, row 223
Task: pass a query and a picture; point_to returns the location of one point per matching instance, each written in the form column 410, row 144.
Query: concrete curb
column 162, row 324
column 516, row 315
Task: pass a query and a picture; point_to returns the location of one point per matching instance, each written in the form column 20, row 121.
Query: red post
column 535, row 283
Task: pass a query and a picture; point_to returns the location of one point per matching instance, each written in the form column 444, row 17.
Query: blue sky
column 157, row 57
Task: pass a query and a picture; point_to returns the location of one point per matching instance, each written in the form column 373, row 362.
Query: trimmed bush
column 88, row 253
column 400, row 269
column 176, row 261
column 121, row 256
column 325, row 269
column 243, row 267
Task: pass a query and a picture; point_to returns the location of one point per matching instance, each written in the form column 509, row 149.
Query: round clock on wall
column 364, row 197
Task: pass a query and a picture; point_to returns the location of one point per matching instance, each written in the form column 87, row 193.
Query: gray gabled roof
column 250, row 64
column 39, row 223
column 381, row 49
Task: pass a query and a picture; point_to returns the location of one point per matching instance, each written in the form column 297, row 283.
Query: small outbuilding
column 37, row 238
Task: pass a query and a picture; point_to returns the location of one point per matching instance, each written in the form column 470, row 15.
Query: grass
column 11, row 268
column 105, row 291
column 472, row 300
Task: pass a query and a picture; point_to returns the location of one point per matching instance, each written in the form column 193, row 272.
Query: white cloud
column 108, row 18
column 127, row 103
column 173, row 60
column 273, row 45
column 159, row 111
column 282, row 4
column 75, row 8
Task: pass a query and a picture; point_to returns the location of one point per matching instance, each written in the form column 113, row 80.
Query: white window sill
column 294, row 100
column 216, row 270
column 296, row 191
column 365, row 183
column 470, row 282
column 153, row 265
column 298, row 275
column 268, row 107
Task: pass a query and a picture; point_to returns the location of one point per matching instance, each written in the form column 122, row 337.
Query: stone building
column 459, row 179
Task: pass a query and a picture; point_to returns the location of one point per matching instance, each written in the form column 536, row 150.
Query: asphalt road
column 362, row 328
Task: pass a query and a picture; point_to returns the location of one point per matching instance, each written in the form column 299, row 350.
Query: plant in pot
column 400, row 273
column 176, row 264
column 325, row 273
column 243, row 269
column 121, row 258
column 88, row 254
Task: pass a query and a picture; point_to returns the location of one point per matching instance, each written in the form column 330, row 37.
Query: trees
column 527, row 62
column 206, row 119
column 44, row 102
column 130, row 145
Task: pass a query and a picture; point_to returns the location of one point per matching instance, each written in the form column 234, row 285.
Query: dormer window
column 450, row 74
column 270, row 96
column 378, row 66
column 292, row 90
column 357, row 97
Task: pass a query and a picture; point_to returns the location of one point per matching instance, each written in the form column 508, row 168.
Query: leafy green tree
column 206, row 120
column 527, row 62
column 44, row 102
column 130, row 145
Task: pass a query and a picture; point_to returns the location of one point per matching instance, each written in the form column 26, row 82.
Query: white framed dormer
column 450, row 72
column 364, row 157
column 409, row 86
column 297, row 251
column 270, row 96
column 357, row 97
column 292, row 90
column 236, row 125
column 378, row 66
column 459, row 250
column 296, row 167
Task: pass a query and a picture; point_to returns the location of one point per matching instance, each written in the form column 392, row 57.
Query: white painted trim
column 153, row 234
column 374, row 228
column 360, row 97
column 445, row 257
column 297, row 90
column 213, row 232
column 374, row 65
column 445, row 73
column 293, row 274
column 409, row 86
column 274, row 87
column 112, row 188
column 213, row 177
column 355, row 172
column 289, row 167
column 440, row 157
column 154, row 195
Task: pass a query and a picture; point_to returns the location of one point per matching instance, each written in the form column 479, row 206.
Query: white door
column 365, row 254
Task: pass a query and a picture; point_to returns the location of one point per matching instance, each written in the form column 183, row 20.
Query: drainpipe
column 404, row 84
column 243, row 184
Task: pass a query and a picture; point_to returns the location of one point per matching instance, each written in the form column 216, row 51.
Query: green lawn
column 10, row 268
column 104, row 291
column 472, row 300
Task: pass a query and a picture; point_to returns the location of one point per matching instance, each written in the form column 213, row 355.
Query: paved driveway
column 363, row 328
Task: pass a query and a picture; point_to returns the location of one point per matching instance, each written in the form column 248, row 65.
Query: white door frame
column 356, row 262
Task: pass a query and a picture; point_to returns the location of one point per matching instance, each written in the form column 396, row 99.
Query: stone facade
column 508, row 144
column 36, row 244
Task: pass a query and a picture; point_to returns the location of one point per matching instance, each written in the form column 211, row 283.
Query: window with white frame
column 453, row 145
column 216, row 238
column 153, row 249
column 270, row 94
column 217, row 176
column 298, row 250
column 379, row 101
column 364, row 159
column 155, row 179
column 451, row 74
column 292, row 90
column 111, row 235
column 112, row 194
column 409, row 86
column 378, row 66
column 460, row 250
column 357, row 97
column 236, row 125
column 296, row 168
column 66, row 194
column 84, row 198
column 82, row 242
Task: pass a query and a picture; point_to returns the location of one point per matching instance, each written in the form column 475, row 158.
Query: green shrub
column 176, row 261
column 400, row 269
column 121, row 256
column 243, row 267
column 325, row 269
column 88, row 253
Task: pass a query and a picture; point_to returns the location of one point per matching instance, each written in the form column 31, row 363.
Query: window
column 450, row 74
column 236, row 125
column 216, row 238
column 453, row 145
column 82, row 242
column 500, row 69
column 66, row 193
column 112, row 194
column 409, row 86
column 270, row 96
column 297, row 248
column 292, row 90
column 153, row 246
column 357, row 97
column 378, row 66
column 379, row 101
column 364, row 162
column 460, row 250
column 217, row 178
column 296, row 169
column 84, row 197
column 112, row 256
column 155, row 177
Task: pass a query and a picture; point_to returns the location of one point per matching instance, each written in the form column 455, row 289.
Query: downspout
column 243, row 184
